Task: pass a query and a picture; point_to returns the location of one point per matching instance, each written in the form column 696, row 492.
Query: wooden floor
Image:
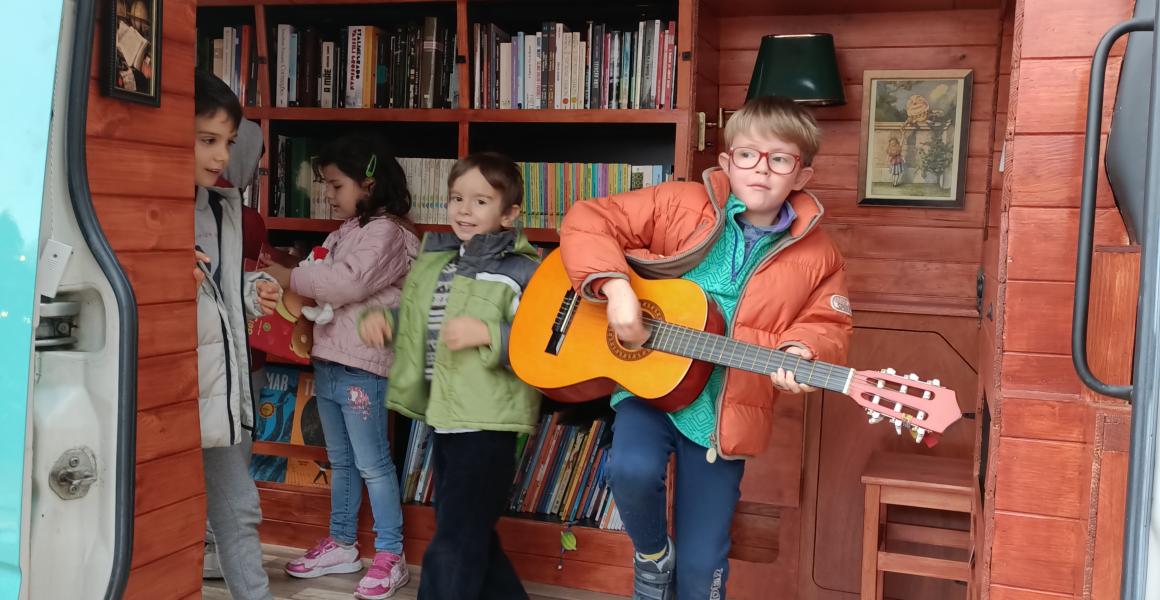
column 340, row 587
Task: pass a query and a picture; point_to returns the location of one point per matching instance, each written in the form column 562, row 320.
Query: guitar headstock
column 924, row 408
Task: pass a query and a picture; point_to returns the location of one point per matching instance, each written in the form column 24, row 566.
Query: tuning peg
column 917, row 433
column 875, row 416
column 898, row 424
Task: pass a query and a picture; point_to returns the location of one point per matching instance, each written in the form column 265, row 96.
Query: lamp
column 803, row 67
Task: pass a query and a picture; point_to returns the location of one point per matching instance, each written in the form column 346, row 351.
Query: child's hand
column 374, row 330
column 280, row 274
column 269, row 293
column 465, row 332
column 198, row 274
column 624, row 313
column 784, row 381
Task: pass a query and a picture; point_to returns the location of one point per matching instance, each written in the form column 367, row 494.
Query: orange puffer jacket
column 795, row 296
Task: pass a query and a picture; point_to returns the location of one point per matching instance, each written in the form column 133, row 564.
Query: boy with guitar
column 750, row 237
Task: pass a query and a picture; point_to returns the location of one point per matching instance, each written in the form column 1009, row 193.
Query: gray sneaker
column 210, row 567
column 653, row 579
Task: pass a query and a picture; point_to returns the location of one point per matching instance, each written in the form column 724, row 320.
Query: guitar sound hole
column 650, row 310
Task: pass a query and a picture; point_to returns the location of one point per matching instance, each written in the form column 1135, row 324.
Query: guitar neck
column 721, row 350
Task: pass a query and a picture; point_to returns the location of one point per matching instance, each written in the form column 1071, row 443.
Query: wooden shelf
column 249, row 3
column 290, row 450
column 296, row 224
column 629, row 116
column 449, row 115
column 535, row 234
column 393, row 115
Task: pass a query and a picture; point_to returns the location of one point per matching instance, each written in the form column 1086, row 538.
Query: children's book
column 274, row 421
column 307, row 430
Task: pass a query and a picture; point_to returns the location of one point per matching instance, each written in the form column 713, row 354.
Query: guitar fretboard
column 721, row 350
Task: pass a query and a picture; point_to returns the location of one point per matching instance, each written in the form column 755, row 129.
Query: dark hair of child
column 361, row 157
column 499, row 171
column 211, row 94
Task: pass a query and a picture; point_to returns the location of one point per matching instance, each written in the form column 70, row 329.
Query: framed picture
column 131, row 53
column 914, row 138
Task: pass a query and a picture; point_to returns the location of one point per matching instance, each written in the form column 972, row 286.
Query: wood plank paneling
column 911, row 278
column 166, row 329
column 155, row 533
column 1042, row 241
column 1053, row 94
column 1049, row 174
column 1066, row 28
column 1042, row 478
column 1038, row 553
column 116, row 120
column 1112, row 316
column 121, row 168
column 1040, row 419
column 138, row 156
column 865, row 30
column 914, row 243
column 842, row 207
column 733, row 96
column 175, row 576
column 160, row 277
column 1038, row 317
column 1108, row 559
column 737, row 65
column 166, row 480
column 1052, row 373
column 168, row 430
column 163, row 380
column 135, row 223
column 1002, row 592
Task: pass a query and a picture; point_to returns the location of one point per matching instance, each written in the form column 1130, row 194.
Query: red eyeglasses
column 782, row 163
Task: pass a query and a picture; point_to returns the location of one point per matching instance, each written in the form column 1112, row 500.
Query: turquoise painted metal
column 31, row 37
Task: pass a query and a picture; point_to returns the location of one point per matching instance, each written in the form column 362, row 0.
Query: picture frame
column 131, row 51
column 914, row 137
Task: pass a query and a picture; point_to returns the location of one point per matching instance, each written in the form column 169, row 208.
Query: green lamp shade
column 802, row 67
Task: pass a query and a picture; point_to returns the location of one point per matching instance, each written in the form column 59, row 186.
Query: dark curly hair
column 363, row 156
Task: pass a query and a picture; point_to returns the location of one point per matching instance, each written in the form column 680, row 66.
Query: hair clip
column 371, row 165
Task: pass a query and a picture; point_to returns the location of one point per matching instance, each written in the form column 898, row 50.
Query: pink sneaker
column 325, row 558
column 387, row 575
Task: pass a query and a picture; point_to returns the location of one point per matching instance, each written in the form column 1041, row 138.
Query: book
column 307, row 431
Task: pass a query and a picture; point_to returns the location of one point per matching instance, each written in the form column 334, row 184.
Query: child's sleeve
column 825, row 324
column 595, row 233
column 380, row 260
column 251, row 300
column 495, row 354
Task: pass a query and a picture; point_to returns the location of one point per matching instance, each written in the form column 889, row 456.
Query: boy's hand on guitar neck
column 624, row 314
column 784, row 381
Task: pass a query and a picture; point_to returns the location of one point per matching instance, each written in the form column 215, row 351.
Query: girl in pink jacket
column 366, row 262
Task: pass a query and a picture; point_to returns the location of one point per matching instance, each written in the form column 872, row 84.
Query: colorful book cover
column 307, row 431
column 274, row 421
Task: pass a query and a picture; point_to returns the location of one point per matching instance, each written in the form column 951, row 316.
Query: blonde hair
column 779, row 117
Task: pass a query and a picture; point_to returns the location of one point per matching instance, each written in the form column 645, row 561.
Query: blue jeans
column 352, row 408
column 706, row 496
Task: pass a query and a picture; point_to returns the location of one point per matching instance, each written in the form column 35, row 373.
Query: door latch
column 73, row 474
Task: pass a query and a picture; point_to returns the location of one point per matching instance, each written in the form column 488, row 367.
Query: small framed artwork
column 131, row 51
column 914, row 138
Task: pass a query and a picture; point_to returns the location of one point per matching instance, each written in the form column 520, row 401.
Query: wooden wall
column 140, row 163
column 928, row 257
column 912, row 274
column 1056, row 472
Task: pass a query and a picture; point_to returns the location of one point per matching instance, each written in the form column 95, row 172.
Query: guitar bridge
column 563, row 321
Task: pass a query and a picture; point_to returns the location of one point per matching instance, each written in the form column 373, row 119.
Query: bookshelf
column 297, row 515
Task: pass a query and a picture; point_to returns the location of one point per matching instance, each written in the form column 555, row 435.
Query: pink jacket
column 366, row 266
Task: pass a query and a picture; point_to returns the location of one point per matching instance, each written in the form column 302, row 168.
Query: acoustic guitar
column 562, row 345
